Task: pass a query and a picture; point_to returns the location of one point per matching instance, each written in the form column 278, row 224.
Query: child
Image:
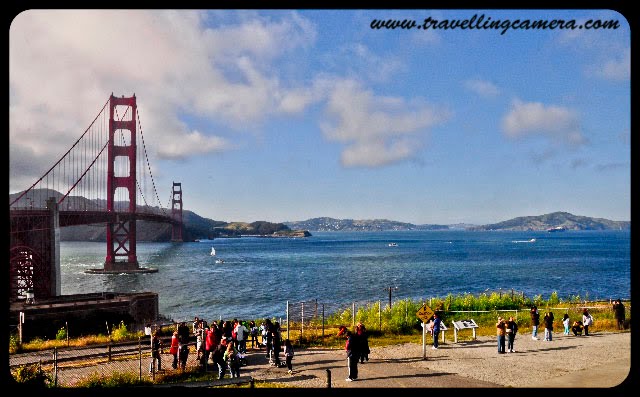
column 577, row 328
column 565, row 322
column 288, row 354
column 232, row 360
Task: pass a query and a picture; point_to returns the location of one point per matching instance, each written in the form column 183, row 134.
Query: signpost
column 424, row 314
column 464, row 324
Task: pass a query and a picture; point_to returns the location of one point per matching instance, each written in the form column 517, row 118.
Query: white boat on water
column 533, row 240
column 393, row 244
column 219, row 260
column 213, row 251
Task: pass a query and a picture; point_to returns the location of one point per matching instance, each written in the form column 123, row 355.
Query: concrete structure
column 84, row 314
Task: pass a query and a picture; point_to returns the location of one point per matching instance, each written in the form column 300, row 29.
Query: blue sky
column 286, row 115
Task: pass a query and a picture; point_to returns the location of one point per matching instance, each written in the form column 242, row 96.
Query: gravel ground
column 599, row 360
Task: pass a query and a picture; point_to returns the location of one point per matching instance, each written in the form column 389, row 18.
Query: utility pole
column 390, row 289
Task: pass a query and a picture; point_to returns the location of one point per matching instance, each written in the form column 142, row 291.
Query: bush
column 32, row 375
column 62, row 334
column 120, row 333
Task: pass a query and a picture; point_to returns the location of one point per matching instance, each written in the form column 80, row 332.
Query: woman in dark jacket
column 535, row 321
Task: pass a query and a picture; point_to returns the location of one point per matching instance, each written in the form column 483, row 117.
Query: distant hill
column 325, row 224
column 555, row 219
column 195, row 226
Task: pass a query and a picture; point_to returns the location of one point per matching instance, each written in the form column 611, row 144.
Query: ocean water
column 335, row 269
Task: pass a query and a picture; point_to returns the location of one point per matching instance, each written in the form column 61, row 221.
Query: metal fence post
column 328, row 379
column 380, row 314
column 323, row 322
column 140, row 358
column 353, row 314
column 55, row 366
column 109, row 350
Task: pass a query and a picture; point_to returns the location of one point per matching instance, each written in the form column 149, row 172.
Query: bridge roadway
column 78, row 217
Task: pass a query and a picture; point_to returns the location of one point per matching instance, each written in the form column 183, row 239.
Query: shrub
column 120, row 333
column 32, row 375
column 62, row 334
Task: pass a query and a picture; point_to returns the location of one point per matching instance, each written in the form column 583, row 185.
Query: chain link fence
column 306, row 322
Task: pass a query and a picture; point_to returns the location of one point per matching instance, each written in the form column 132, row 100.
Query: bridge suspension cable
column 78, row 179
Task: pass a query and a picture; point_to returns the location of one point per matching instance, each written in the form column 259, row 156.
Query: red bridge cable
column 58, row 162
column 147, row 158
column 84, row 173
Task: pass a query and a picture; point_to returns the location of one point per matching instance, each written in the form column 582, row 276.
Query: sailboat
column 213, row 251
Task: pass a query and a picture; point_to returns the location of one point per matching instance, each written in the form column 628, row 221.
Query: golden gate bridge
column 104, row 178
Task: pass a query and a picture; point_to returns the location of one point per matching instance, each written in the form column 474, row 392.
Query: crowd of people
column 223, row 344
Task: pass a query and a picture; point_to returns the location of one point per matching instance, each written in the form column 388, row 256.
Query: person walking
column 156, row 347
column 277, row 344
column 548, row 326
column 241, row 337
column 268, row 326
column 288, row 355
column 501, row 331
column 587, row 320
column 218, row 359
column 253, row 331
column 210, row 343
column 263, row 332
column 511, row 329
column 435, row 329
column 199, row 332
column 535, row 322
column 351, row 347
column 363, row 337
column 175, row 343
column 618, row 309
column 232, row 360
column 566, row 321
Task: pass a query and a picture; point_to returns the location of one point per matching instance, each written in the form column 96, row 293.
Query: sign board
column 465, row 324
column 424, row 313
column 430, row 326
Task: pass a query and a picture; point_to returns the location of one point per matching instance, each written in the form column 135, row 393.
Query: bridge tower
column 121, row 234
column 176, row 212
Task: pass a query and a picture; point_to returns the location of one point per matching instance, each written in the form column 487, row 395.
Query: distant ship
column 213, row 251
column 556, row 229
column 393, row 244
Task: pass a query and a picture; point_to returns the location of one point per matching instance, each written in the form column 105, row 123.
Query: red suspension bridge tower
column 121, row 235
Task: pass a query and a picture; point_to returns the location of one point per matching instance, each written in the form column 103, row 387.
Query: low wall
column 84, row 314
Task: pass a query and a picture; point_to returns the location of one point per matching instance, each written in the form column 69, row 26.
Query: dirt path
column 600, row 360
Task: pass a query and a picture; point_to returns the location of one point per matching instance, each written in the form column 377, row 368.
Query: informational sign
column 424, row 313
column 465, row 324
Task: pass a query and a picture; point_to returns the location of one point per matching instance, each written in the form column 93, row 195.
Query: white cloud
column 361, row 63
column 377, row 130
column 65, row 63
column 559, row 124
column 617, row 69
column 482, row 87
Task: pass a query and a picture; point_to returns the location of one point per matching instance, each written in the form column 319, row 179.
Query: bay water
column 335, row 269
